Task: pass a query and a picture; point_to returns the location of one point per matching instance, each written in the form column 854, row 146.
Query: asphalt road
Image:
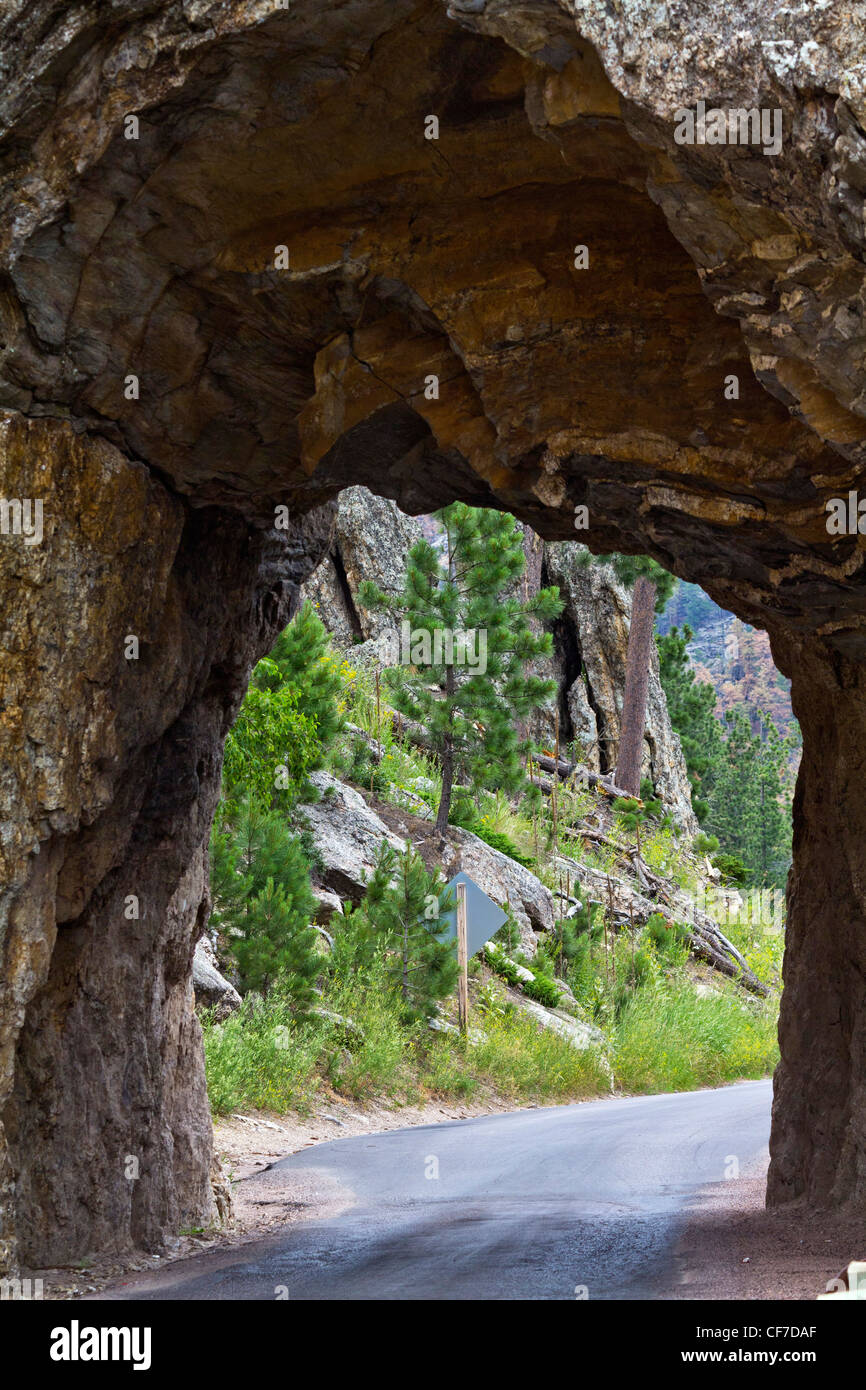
column 537, row 1204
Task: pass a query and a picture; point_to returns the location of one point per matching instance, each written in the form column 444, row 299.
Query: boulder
column 580, row 1035
column 348, row 836
column 371, row 538
column 212, row 990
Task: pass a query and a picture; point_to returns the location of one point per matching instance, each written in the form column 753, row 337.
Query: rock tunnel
column 242, row 269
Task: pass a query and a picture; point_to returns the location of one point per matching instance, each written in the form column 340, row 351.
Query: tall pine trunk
column 636, row 686
column 447, row 760
column 447, row 784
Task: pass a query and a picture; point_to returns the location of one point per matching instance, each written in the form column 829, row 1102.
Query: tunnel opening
column 164, row 377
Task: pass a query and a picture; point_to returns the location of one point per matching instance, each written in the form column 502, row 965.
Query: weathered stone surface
column 262, row 127
column 212, row 989
column 591, row 651
column 371, row 540
column 348, row 836
column 580, row 1035
column 110, row 773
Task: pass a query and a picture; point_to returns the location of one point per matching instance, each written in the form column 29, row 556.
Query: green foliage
column 670, row 938
column 269, row 1059
column 541, row 987
column 404, row 913
column 301, row 661
column 543, row 991
column 364, row 771
column 503, row 965
column 289, row 717
column 749, row 811
column 670, row 1039
column 730, row 865
column 263, row 902
column 508, row 935
column 470, row 715
column 691, row 705
column 497, row 839
column 260, row 869
column 270, row 749
column 736, row 773
column 705, row 844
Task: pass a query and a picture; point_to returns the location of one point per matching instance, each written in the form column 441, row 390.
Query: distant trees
column 689, row 606
column 691, row 706
column 737, row 770
column 749, row 810
column 461, row 670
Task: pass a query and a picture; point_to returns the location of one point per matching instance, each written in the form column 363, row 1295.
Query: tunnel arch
column 257, row 388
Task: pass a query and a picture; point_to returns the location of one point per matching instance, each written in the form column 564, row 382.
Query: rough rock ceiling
column 410, row 256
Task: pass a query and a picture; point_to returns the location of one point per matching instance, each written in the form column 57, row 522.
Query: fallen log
column 581, row 773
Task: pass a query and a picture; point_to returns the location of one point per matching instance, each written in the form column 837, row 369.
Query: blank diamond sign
column 483, row 916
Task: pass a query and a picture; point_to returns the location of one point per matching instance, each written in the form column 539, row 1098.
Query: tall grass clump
column 669, row 1038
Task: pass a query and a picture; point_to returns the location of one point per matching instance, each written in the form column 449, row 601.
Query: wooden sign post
column 462, row 959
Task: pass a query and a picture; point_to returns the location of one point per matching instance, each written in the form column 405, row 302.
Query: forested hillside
column 732, row 710
column 373, row 758
column 735, row 658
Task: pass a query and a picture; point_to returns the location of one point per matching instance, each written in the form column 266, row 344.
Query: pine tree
column 470, row 707
column 263, row 902
column 748, row 810
column 691, row 706
column 260, row 871
column 403, row 913
column 301, row 661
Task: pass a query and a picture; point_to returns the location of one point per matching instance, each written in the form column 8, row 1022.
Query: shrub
column 497, row 839
column 731, row 865
column 542, row 990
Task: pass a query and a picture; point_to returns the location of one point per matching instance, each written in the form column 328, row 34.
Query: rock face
column 371, row 540
column 111, row 765
column 269, row 286
column 591, row 646
column 348, row 835
column 212, row 990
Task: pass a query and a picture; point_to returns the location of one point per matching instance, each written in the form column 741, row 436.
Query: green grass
column 262, row 1060
column 669, row 1038
column 520, row 1062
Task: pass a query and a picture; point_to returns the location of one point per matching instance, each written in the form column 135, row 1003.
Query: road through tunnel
column 444, row 253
